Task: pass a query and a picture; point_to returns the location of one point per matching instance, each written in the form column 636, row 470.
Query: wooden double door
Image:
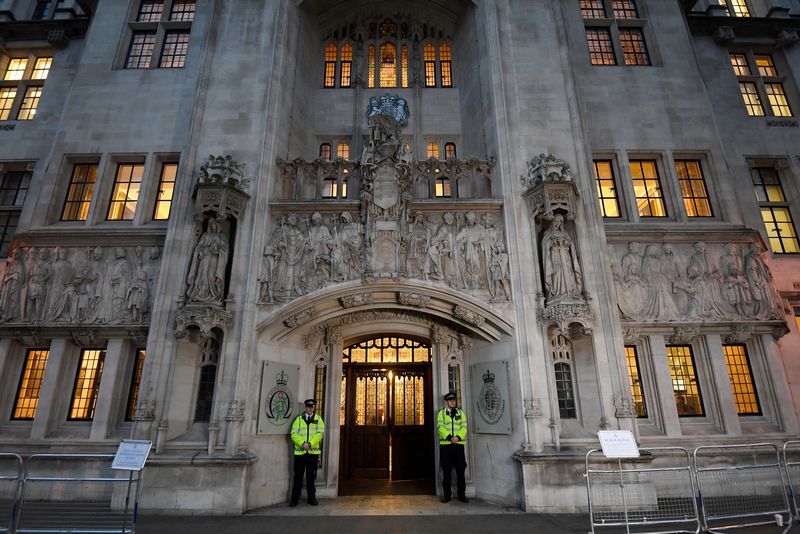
column 387, row 430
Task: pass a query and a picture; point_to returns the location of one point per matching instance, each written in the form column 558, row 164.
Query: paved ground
column 384, row 515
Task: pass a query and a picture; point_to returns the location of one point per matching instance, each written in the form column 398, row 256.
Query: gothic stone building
column 577, row 214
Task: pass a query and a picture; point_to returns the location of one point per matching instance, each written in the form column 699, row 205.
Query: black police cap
column 310, row 402
column 450, row 396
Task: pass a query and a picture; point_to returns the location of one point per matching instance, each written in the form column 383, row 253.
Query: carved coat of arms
column 491, row 404
column 279, row 402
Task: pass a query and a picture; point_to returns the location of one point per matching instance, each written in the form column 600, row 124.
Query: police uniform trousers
column 305, row 463
column 450, row 457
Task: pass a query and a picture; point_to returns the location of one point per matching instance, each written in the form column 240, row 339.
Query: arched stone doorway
column 386, row 416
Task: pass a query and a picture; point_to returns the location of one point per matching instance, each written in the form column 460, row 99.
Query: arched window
column 433, row 150
column 442, row 189
column 330, row 187
column 207, row 381
column 446, row 65
column 404, row 66
column 345, row 175
column 325, row 151
column 565, row 390
column 429, row 55
column 346, row 66
column 343, row 151
column 450, row 151
column 388, row 65
column 371, row 67
column 330, row 65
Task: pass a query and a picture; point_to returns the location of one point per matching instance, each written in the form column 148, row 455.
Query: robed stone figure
column 206, row 279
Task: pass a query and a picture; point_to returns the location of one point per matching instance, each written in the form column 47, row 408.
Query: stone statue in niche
column 289, row 245
column 474, row 252
column 563, row 279
column 206, row 279
column 39, row 274
column 444, row 251
column 13, row 278
column 266, row 293
column 120, row 281
column 500, row 277
column 736, row 288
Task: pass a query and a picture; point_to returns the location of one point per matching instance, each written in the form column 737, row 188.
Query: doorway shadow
column 386, row 487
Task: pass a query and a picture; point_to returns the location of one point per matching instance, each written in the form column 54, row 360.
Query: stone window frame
column 136, row 373
column 647, row 375
column 98, row 377
column 160, row 28
column 621, row 182
column 613, row 25
column 791, row 190
column 28, row 353
column 27, row 82
column 760, row 369
column 344, row 183
column 709, row 178
column 15, row 209
column 783, row 77
column 668, row 182
column 731, row 6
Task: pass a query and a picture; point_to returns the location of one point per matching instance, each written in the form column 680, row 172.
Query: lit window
column 176, row 46
column 371, row 67
column 30, row 385
column 751, row 99
column 767, row 185
column 606, row 188
column 450, row 151
column 16, row 69
column 429, row 55
column 797, row 317
column 320, row 376
column 346, row 67
column 343, row 151
column 150, row 11
column 87, row 385
column 325, row 151
column 739, row 64
column 564, row 391
column 624, row 9
column 592, row 9
column 183, row 10
column 433, row 150
column 637, row 390
column 30, row 103
column 136, row 380
column 686, row 388
column 765, row 65
column 693, row 188
column 42, row 68
column 330, row 65
column 742, row 383
column 736, row 8
column 79, row 195
column 388, row 65
column 404, row 65
column 445, row 58
column 126, row 192
column 780, row 230
column 633, row 47
column 647, row 189
column 443, row 189
column 777, row 100
column 141, row 50
column 7, row 96
column 166, row 190
column 330, row 187
column 601, row 51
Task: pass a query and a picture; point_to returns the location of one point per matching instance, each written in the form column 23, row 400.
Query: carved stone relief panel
column 693, row 282
column 79, row 285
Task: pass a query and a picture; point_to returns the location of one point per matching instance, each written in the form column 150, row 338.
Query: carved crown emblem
column 282, row 378
column 219, row 170
column 389, row 105
column 488, row 377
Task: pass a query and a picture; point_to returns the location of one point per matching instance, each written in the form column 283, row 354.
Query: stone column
column 53, row 393
column 110, row 393
column 664, row 391
column 718, row 367
column 332, row 423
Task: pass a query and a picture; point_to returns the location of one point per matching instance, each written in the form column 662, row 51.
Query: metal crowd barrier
column 10, row 486
column 77, row 493
column 791, row 463
column 741, row 485
column 656, row 491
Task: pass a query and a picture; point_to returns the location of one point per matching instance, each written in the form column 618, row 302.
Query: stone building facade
column 579, row 215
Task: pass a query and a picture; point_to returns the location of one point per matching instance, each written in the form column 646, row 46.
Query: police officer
column 452, row 426
column 308, row 430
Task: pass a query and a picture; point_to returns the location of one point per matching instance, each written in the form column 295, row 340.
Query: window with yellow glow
column 592, row 9
column 739, row 64
column 445, row 62
column 647, row 189
column 343, row 151
column 443, row 189
column 685, row 386
column 330, row 65
column 16, row 69
column 320, row 376
column 693, row 188
column 777, row 100
column 765, row 65
column 346, row 65
column 601, row 49
column 388, row 65
column 742, row 383
column 433, row 150
column 79, row 194
column 759, row 81
column 404, row 66
column 42, row 68
column 330, row 188
column 371, row 67
column 775, row 211
column 136, row 380
column 429, row 55
column 30, row 385
column 30, row 103
column 166, row 190
column 606, row 188
column 637, row 390
column 125, row 195
column 634, row 49
column 736, row 8
column 7, row 96
column 387, row 350
column 87, row 385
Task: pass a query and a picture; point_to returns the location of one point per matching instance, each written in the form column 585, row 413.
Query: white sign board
column 618, row 444
column 131, row 455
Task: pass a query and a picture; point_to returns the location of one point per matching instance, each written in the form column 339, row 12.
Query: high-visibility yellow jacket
column 452, row 426
column 311, row 433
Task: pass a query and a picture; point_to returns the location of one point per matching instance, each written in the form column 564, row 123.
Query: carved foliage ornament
column 201, row 316
column 300, row 317
column 224, row 170
column 359, row 299
column 413, row 299
column 469, row 316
